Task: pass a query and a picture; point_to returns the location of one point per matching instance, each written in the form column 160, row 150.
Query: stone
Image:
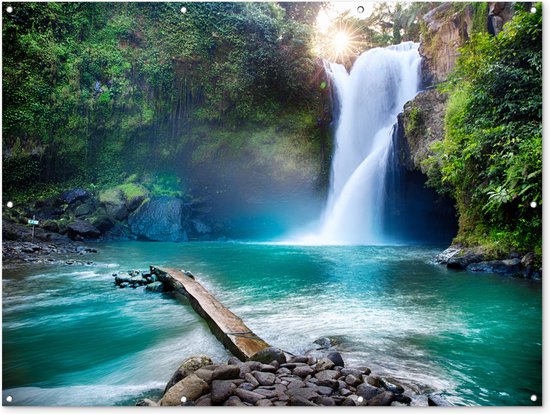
column 392, row 385
column 266, row 393
column 374, row 381
column 264, row 378
column 324, row 390
column 269, row 354
column 160, row 219
column 83, row 210
column 301, row 401
column 323, row 343
column 234, row 361
column 224, row 372
column 275, row 365
column 382, row 399
column 204, row 401
column 336, row 357
column 283, row 371
column 367, row 391
column 74, row 195
column 398, row 404
column 325, row 401
column 296, row 384
column 307, row 393
column 303, row 371
column 352, row 380
column 264, row 403
column 234, row 401
column 344, row 392
column 324, row 363
column 221, row 391
column 331, row 383
column 299, row 358
column 146, row 402
column 251, row 379
column 156, row 287
column 504, row 267
column 348, row 402
column 351, row 371
column 82, row 230
column 250, row 397
column 267, row 368
column 202, row 373
column 327, row 375
column 102, row 222
column 191, row 387
column 247, row 386
column 189, row 366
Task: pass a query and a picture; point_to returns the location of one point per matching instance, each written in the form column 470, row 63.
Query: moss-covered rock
column 114, row 201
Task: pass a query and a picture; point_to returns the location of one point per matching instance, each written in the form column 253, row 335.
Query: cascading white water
column 371, row 96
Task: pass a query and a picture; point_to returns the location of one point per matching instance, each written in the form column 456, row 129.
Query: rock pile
column 300, row 381
column 135, row 278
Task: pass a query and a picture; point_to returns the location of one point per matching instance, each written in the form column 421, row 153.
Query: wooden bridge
column 224, row 324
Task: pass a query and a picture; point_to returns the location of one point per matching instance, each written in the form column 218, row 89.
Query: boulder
column 160, row 219
column 367, row 391
column 189, row 366
column 250, row 397
column 83, row 210
column 383, row 399
column 269, row 354
column 504, row 267
column 82, row 230
column 336, row 358
column 146, row 402
column 323, row 364
column 156, row 287
column 191, row 387
column 437, row 401
column 221, row 391
column 392, row 385
column 114, row 202
column 226, row 372
column 265, row 378
column 303, row 371
column 76, row 194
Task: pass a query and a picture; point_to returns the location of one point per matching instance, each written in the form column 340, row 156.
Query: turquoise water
column 71, row 338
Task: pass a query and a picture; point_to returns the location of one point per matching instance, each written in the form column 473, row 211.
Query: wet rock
column 348, row 402
column 325, row 401
column 83, row 210
column 398, row 404
column 323, row 364
column 250, row 397
column 351, row 371
column 382, row 399
column 374, row 381
column 191, row 387
column 267, row 355
column 146, row 402
column 437, row 400
column 323, row 343
column 160, row 219
column 327, row 375
column 299, row 358
column 392, row 385
column 301, row 401
column 504, row 267
column 74, row 195
column 352, row 380
column 336, row 358
column 225, row 372
column 324, row 390
column 265, row 378
column 303, row 371
column 367, row 391
column 221, row 391
column 189, row 366
column 234, row 401
column 156, row 287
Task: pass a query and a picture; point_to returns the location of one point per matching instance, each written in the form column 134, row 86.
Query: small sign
column 33, row 222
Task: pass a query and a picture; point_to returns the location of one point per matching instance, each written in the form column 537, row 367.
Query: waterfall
column 371, row 96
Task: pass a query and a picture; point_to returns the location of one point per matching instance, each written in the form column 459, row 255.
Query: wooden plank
column 224, row 324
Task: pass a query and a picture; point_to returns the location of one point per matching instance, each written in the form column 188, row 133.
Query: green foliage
column 491, row 158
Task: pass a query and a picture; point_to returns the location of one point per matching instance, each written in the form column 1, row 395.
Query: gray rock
column 225, row 372
column 325, row 401
column 266, row 393
column 83, row 210
column 327, row 374
column 267, row 355
column 374, row 381
column 191, row 387
column 505, row 267
column 344, row 392
column 264, row 378
column 189, row 366
column 324, row 363
column 303, row 371
column 324, row 343
column 392, row 385
column 155, row 287
column 251, row 379
column 336, row 358
column 283, row 371
column 234, row 401
column 437, row 400
column 420, row 401
column 250, row 397
column 247, row 386
column 221, row 391
column 353, row 371
column 299, row 358
column 352, row 380
column 146, row 402
column 234, row 361
column 264, row 403
column 348, row 402
column 307, row 393
column 301, row 401
column 160, row 219
column 76, row 194
column 382, row 399
column 267, row 368
column 82, row 230
column 203, row 373
column 324, row 390
column 204, row 401
column 367, row 391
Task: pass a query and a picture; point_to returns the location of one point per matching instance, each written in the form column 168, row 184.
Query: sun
column 340, row 42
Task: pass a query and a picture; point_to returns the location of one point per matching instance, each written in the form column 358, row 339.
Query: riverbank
column 318, row 378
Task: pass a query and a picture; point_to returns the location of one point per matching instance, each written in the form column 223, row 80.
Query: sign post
column 34, row 222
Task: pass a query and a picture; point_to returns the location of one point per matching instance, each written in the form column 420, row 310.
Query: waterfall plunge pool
column 71, row 338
